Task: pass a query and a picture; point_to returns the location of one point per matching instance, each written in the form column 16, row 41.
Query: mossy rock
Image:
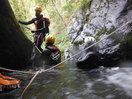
column 104, row 30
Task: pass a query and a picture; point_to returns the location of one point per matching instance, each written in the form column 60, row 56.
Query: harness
column 41, row 24
column 55, row 53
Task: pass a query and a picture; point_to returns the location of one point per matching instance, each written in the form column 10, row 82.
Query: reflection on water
column 72, row 83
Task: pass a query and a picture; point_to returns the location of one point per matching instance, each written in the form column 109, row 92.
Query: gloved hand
column 19, row 21
column 32, row 31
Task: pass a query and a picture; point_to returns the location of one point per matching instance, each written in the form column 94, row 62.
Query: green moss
column 97, row 9
column 128, row 38
column 101, row 31
column 91, row 11
column 104, row 30
column 111, row 30
column 76, row 43
column 83, row 3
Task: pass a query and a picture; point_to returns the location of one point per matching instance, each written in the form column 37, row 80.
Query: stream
column 73, row 83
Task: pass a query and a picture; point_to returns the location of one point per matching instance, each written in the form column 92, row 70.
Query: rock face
column 15, row 48
column 98, row 19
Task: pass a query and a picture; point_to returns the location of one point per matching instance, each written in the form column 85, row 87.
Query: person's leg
column 35, row 39
column 40, row 41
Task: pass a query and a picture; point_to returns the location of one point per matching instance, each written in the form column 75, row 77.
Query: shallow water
column 73, row 83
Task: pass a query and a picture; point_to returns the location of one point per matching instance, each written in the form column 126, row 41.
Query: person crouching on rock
column 51, row 55
column 89, row 61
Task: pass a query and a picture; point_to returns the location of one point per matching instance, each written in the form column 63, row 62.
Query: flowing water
column 73, row 83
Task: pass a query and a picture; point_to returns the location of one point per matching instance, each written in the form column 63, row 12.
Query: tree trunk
column 15, row 48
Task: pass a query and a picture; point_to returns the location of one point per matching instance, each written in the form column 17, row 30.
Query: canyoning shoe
column 8, row 83
column 59, row 67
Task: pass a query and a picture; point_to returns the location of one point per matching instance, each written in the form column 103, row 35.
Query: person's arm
column 39, row 30
column 45, row 54
column 27, row 23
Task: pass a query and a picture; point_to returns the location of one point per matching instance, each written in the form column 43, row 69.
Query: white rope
column 37, row 49
column 30, row 82
column 87, row 47
column 16, row 71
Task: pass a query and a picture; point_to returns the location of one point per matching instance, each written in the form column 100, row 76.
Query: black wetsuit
column 89, row 61
column 42, row 27
column 51, row 55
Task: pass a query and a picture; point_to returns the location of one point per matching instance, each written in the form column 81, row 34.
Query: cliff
column 98, row 19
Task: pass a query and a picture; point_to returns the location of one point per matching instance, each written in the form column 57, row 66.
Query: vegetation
column 23, row 11
column 105, row 30
column 15, row 48
column 60, row 13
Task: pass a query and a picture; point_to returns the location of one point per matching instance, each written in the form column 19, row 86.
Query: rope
column 30, row 82
column 17, row 71
column 87, row 47
column 38, row 49
column 42, row 70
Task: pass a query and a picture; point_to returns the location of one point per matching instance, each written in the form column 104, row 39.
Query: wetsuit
column 89, row 61
column 51, row 55
column 42, row 27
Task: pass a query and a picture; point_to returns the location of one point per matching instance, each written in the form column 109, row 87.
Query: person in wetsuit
column 41, row 27
column 51, row 55
column 89, row 61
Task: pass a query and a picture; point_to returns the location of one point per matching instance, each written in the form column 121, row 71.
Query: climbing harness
column 37, row 40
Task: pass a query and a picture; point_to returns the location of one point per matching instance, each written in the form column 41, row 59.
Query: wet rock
column 99, row 19
column 15, row 47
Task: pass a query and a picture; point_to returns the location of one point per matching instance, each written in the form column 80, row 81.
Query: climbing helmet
column 89, row 40
column 50, row 39
column 38, row 8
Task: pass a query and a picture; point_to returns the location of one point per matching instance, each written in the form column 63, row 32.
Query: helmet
column 38, row 8
column 89, row 40
column 50, row 39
